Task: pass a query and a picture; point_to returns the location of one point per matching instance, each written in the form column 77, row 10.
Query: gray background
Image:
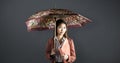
column 97, row 42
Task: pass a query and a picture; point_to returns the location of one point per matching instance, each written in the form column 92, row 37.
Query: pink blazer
column 67, row 48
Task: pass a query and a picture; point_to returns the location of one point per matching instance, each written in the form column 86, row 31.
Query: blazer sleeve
column 48, row 49
column 72, row 56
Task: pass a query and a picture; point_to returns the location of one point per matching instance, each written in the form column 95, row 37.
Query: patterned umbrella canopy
column 46, row 19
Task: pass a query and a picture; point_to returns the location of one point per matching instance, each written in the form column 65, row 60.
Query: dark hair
column 58, row 22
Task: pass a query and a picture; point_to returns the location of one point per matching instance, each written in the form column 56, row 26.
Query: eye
column 59, row 27
column 64, row 27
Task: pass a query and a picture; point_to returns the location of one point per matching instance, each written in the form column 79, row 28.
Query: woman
column 60, row 49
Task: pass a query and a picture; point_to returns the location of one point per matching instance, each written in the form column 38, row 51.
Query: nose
column 62, row 29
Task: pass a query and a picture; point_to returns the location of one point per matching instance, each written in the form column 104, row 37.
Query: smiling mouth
column 61, row 32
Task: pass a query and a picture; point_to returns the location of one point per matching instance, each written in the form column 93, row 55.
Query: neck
column 59, row 37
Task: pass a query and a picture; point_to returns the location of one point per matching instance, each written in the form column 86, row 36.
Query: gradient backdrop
column 97, row 42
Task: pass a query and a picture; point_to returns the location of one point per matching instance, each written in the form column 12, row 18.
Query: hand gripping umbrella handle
column 62, row 54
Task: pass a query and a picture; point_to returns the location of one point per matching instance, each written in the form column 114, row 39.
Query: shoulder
column 70, row 40
column 50, row 40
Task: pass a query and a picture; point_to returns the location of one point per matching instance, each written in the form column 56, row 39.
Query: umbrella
column 46, row 19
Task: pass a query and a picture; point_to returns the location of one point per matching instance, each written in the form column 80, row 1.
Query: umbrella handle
column 55, row 27
column 55, row 32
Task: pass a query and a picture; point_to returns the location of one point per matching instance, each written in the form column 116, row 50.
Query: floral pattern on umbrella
column 46, row 19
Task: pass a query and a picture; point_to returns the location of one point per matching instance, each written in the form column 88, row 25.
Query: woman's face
column 61, row 29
